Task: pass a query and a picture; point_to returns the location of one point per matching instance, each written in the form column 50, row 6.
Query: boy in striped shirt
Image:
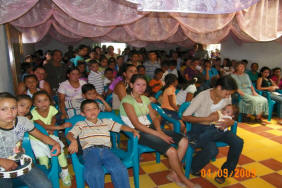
column 96, row 77
column 94, row 135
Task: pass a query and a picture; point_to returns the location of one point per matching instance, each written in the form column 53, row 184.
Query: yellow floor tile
column 107, row 178
column 154, row 167
column 228, row 182
column 170, row 185
column 257, row 183
column 279, row 172
column 259, row 169
column 145, row 182
column 261, row 154
column 275, row 132
column 219, row 162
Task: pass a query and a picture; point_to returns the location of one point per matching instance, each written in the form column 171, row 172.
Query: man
column 152, row 64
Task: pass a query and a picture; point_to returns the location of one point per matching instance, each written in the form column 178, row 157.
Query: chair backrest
column 158, row 94
column 109, row 99
column 181, row 110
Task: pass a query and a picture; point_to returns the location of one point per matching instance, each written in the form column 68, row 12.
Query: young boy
column 89, row 92
column 108, row 78
column 156, row 83
column 24, row 104
column 12, row 129
column 96, row 77
column 142, row 70
column 94, row 135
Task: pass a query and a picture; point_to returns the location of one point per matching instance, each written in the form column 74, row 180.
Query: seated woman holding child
column 134, row 109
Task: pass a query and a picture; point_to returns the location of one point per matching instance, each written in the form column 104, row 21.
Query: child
column 44, row 114
column 142, row 70
column 24, row 104
column 228, row 112
column 96, row 77
column 31, row 83
column 169, row 98
column 96, row 148
column 11, row 133
column 188, row 90
column 108, row 78
column 156, row 83
column 89, row 92
column 103, row 64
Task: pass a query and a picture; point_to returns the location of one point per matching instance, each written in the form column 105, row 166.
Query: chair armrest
column 234, row 127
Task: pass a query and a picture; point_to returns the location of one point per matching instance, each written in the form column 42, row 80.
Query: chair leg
column 189, row 155
column 136, row 174
column 240, row 117
column 158, row 157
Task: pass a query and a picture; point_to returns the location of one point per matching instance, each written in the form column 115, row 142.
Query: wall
column 264, row 53
column 6, row 83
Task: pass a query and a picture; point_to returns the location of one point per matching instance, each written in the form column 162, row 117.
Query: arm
column 107, row 106
column 47, row 88
column 193, row 119
column 52, row 126
column 189, row 97
column 8, row 164
column 21, row 88
column 62, row 105
column 254, row 91
column 207, row 76
column 73, row 147
column 120, row 90
column 171, row 103
column 270, row 88
column 128, row 129
column 47, row 140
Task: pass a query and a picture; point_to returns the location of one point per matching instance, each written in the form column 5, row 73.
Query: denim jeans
column 94, row 161
column 34, row 179
column 209, row 150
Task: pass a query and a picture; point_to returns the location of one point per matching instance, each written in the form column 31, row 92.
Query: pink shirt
column 69, row 91
column 274, row 78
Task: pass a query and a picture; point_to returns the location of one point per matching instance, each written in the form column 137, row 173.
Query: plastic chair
column 190, row 150
column 109, row 99
column 159, row 93
column 53, row 172
column 129, row 158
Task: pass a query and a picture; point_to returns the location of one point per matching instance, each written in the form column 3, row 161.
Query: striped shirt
column 151, row 67
column 97, row 79
column 91, row 134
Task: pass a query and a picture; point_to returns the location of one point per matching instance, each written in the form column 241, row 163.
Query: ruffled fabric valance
column 143, row 22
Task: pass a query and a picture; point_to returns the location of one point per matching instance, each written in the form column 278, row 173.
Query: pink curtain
column 120, row 20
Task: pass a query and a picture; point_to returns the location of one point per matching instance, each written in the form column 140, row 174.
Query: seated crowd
column 57, row 87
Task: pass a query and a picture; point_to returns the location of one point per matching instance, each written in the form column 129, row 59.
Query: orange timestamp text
column 237, row 173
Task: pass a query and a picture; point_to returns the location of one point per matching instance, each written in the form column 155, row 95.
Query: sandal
column 180, row 184
column 219, row 180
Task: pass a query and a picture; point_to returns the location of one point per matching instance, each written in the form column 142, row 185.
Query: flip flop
column 180, row 184
column 219, row 180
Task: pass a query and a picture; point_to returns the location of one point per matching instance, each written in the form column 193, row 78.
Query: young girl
column 24, row 104
column 44, row 114
column 186, row 94
column 169, row 98
column 31, row 83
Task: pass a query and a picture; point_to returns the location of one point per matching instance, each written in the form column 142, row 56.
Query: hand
column 136, row 133
column 99, row 97
column 166, row 138
column 8, row 164
column 213, row 117
column 66, row 125
column 56, row 147
column 64, row 116
column 50, row 132
column 225, row 123
column 73, row 147
column 255, row 94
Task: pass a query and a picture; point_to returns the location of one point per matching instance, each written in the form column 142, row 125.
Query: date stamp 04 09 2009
column 237, row 173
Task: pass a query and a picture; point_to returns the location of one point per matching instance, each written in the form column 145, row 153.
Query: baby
column 228, row 112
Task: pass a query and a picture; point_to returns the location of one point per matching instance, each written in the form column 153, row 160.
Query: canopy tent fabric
column 143, row 22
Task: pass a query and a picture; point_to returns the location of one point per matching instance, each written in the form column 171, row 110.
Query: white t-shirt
column 181, row 95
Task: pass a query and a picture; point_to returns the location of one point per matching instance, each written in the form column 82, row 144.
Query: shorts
column 157, row 143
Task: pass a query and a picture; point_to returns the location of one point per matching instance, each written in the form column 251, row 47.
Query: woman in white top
column 70, row 94
column 188, row 89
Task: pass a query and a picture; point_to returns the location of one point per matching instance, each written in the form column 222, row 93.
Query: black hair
column 119, row 56
column 41, row 92
column 38, row 67
column 133, row 79
column 206, row 61
column 6, row 95
column 25, row 66
column 172, row 63
column 169, row 79
column 245, row 61
column 140, row 67
column 24, row 97
column 30, row 76
column 87, row 87
column 81, row 63
column 72, row 69
column 124, row 68
column 275, row 69
column 56, row 50
column 226, row 83
column 198, row 78
column 254, row 64
column 92, row 62
column 158, row 70
column 108, row 69
column 111, row 59
column 263, row 69
column 87, row 101
column 165, row 63
column 102, row 58
column 80, row 47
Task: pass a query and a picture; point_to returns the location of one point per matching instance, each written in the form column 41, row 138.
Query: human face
column 91, row 94
column 92, row 55
column 277, row 72
column 81, row 68
column 228, row 111
column 187, row 63
column 94, row 67
column 159, row 75
column 120, row 61
column 254, row 68
column 8, row 110
column 42, row 102
column 109, row 75
column 141, row 71
column 223, row 93
column 104, row 63
column 24, row 106
column 240, row 68
column 153, row 56
column 265, row 73
column 135, row 57
column 111, row 49
column 130, row 72
column 31, row 83
column 74, row 75
column 139, row 86
column 57, row 57
column 90, row 111
column 112, row 65
column 48, row 56
column 83, row 52
column 40, row 74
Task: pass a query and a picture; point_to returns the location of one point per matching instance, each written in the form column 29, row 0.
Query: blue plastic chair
column 53, row 172
column 109, row 99
column 190, row 150
column 129, row 158
column 159, row 93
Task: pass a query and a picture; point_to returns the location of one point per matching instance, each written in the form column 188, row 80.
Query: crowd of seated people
column 57, row 84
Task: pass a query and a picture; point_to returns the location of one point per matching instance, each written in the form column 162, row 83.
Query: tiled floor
column 262, row 156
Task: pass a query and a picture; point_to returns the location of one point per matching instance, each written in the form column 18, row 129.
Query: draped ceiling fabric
column 145, row 22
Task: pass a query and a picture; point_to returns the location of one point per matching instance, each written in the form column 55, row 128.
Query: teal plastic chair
column 159, row 93
column 129, row 157
column 190, row 150
column 53, row 172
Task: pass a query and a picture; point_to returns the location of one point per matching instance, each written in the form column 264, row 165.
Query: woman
column 70, row 95
column 199, row 114
column 40, row 74
column 276, row 77
column 134, row 110
column 193, row 69
column 209, row 72
column 266, row 84
column 251, row 102
column 119, row 91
